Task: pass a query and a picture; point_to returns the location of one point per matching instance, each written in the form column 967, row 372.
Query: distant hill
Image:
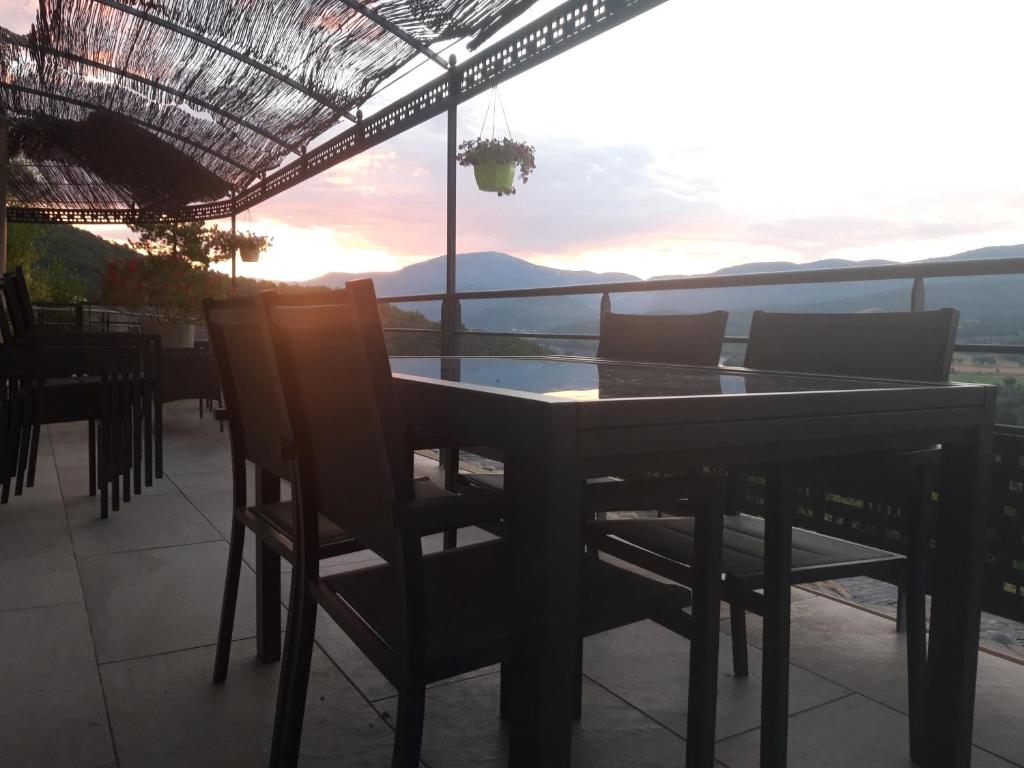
column 81, row 252
column 991, row 307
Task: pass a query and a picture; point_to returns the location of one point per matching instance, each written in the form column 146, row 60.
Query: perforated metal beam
column 560, row 30
column 131, row 118
column 395, row 30
column 23, row 42
column 320, row 98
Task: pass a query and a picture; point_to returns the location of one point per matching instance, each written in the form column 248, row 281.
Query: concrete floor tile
column 74, row 483
column 52, row 705
column 160, row 600
column 145, row 522
column 853, row 732
column 463, row 728
column 999, row 708
column 164, row 711
column 39, row 578
column 648, row 666
column 33, row 522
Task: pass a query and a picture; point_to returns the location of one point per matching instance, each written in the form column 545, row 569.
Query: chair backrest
column 343, row 414
column 682, row 339
column 245, row 364
column 916, row 346
column 19, row 303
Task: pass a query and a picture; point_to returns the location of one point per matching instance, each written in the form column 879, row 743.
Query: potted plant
column 165, row 292
column 248, row 245
column 494, row 163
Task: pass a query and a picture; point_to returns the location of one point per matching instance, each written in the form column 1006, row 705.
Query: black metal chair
column 256, row 432
column 418, row 618
column 904, row 345
column 142, row 431
column 682, row 339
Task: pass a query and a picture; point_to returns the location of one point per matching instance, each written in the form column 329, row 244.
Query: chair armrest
column 435, row 515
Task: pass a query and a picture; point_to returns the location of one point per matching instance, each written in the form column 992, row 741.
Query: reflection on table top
column 584, row 379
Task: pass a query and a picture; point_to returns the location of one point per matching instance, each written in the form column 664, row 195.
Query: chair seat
column 469, row 618
column 815, row 556
column 281, row 517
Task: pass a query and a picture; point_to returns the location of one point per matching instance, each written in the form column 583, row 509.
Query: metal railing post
column 450, row 309
column 79, row 317
column 917, row 295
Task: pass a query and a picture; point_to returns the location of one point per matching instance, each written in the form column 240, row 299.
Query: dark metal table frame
column 552, row 444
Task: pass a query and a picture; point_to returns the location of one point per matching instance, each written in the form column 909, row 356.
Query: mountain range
column 991, row 307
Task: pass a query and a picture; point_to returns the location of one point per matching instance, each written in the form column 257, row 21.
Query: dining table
column 560, row 421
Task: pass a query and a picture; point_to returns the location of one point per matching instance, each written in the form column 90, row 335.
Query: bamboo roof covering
column 155, row 104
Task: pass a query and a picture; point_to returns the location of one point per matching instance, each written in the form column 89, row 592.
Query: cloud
column 581, row 196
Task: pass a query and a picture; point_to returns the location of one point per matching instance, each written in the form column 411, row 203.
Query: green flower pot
column 492, row 176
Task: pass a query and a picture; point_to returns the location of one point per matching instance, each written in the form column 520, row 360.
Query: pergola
column 118, row 111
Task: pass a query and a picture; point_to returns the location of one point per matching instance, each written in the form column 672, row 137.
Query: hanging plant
column 494, row 163
column 495, row 160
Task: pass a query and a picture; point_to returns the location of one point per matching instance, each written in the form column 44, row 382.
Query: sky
column 697, row 136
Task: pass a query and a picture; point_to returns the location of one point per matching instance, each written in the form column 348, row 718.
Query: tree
column 193, row 241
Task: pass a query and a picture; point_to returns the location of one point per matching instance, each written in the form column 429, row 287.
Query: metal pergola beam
column 570, row 24
column 131, row 118
column 320, row 98
column 395, row 30
column 23, row 42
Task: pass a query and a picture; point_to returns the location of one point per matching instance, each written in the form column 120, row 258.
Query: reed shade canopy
column 156, row 104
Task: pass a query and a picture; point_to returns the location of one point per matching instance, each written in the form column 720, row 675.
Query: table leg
column 707, row 595
column 775, row 660
column 956, row 600
column 268, row 579
column 546, row 488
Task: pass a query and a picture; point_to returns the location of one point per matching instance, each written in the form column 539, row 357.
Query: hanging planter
column 495, row 176
column 249, row 252
column 494, row 163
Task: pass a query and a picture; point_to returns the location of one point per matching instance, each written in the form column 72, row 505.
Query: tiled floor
column 106, row 632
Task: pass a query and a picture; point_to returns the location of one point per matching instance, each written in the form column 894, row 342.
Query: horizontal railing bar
column 910, row 271
column 1006, row 349
column 523, row 334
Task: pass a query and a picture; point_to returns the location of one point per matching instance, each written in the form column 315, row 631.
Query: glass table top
column 584, row 379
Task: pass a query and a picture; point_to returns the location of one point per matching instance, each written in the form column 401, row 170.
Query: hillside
column 81, row 253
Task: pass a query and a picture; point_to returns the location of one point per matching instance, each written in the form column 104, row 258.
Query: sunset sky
column 700, row 135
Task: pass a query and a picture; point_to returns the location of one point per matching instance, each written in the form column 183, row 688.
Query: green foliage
column 193, row 241
column 48, row 279
column 501, row 151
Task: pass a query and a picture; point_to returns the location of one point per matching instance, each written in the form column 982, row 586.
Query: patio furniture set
column 652, row 423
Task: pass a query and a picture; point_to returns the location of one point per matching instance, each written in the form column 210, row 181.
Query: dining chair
column 256, row 433
column 418, row 617
column 683, row 339
column 144, row 430
column 914, row 346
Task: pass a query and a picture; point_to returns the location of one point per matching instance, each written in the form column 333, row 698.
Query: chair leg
column 738, row 628
column 505, row 697
column 294, row 681
column 268, row 603
column 409, row 725
column 901, row 608
column 92, row 457
column 101, row 467
column 578, row 673
column 227, row 609
column 33, row 456
column 916, row 628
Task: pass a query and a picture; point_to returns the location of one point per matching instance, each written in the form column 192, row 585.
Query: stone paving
column 106, row 633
